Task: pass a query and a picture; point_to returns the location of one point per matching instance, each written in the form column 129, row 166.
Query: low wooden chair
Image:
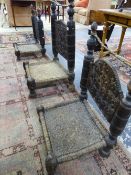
column 32, row 49
column 43, row 74
column 74, row 128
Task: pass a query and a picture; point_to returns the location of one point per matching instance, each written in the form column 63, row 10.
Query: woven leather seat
column 45, row 73
column 25, row 50
column 71, row 130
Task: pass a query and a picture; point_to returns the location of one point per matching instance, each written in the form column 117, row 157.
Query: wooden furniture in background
column 113, row 16
column 19, row 12
column 82, row 14
column 46, row 6
column 97, row 16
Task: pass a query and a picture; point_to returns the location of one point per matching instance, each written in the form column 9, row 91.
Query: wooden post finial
column 88, row 61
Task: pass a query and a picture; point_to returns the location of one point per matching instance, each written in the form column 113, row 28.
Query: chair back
column 101, row 79
column 63, row 37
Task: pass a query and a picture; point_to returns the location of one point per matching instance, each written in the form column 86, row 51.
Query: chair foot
column 110, row 143
column 31, row 86
column 43, row 51
column 51, row 164
column 104, row 153
column 17, row 53
column 72, row 87
column 71, row 77
column 32, row 94
column 83, row 96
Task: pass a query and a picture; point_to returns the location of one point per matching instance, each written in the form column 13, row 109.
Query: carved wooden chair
column 74, row 128
column 43, row 74
column 24, row 50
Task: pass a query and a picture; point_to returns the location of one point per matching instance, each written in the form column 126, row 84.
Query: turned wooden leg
column 121, row 39
column 24, row 66
column 105, row 29
column 31, row 86
column 51, row 164
column 18, row 55
column 19, row 172
column 42, row 42
column 55, row 56
column 71, row 66
column 110, row 143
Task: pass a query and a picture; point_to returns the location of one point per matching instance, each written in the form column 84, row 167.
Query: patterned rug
column 124, row 70
column 20, row 37
column 22, row 148
column 21, row 138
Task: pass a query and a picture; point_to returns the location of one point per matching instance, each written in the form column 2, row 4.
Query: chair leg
column 43, row 51
column 19, row 172
column 110, row 143
column 31, row 86
column 51, row 164
column 17, row 53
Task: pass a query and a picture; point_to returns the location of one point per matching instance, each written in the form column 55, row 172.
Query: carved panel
column 104, row 86
column 61, row 38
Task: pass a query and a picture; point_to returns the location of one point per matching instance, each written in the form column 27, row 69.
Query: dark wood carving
column 63, row 38
column 38, row 28
column 41, row 32
column 104, row 86
column 101, row 79
column 118, row 123
column 53, row 30
column 33, row 18
column 35, row 23
column 87, row 64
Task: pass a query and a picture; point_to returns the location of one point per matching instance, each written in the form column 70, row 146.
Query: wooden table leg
column 13, row 15
column 105, row 29
column 121, row 39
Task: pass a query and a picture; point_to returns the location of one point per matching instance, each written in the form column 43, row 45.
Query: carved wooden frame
column 51, row 160
column 115, row 107
column 70, row 52
column 67, row 47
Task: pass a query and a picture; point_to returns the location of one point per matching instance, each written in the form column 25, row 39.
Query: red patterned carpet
column 124, row 70
column 21, row 138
